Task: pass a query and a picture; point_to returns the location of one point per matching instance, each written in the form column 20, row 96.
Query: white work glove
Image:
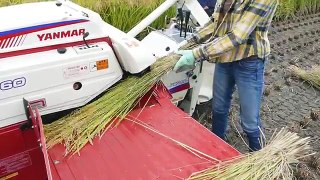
column 186, row 62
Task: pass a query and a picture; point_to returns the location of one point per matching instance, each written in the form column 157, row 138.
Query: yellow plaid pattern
column 236, row 32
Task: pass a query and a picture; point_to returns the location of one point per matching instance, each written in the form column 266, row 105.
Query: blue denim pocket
column 249, row 64
column 251, row 69
column 252, row 63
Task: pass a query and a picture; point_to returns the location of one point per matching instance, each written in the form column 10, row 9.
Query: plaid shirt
column 242, row 33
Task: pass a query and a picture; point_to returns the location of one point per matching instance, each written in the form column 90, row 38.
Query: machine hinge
column 28, row 124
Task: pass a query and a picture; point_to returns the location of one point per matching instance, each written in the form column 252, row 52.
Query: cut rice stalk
column 272, row 162
column 185, row 146
column 311, row 76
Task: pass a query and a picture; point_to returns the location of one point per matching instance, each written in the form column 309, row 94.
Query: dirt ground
column 287, row 101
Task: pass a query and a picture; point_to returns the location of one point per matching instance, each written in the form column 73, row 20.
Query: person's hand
column 186, row 62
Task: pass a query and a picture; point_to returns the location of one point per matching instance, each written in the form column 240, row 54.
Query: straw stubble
column 311, row 76
column 272, row 162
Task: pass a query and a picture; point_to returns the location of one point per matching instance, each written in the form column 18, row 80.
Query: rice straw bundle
column 81, row 126
column 272, row 162
column 312, row 76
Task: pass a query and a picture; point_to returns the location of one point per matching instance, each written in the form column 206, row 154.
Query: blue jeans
column 248, row 76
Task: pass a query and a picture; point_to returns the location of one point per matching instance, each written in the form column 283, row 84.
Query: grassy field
column 293, row 8
column 123, row 14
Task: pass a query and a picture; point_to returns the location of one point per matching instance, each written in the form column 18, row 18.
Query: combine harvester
column 56, row 56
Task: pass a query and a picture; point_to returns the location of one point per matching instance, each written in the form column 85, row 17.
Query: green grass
column 123, row 14
column 292, row 8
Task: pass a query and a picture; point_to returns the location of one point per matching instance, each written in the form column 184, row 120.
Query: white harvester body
column 59, row 56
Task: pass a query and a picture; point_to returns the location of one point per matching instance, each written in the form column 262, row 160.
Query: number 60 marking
column 9, row 84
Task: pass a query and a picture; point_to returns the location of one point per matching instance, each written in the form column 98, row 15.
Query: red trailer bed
column 129, row 151
column 132, row 151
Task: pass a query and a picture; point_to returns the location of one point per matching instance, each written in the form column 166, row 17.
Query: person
column 236, row 40
column 208, row 6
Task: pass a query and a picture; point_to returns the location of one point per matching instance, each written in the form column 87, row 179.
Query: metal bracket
column 28, row 124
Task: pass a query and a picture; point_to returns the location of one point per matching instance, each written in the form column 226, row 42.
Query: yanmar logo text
column 61, row 34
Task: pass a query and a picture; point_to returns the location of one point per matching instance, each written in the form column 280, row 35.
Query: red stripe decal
column 52, row 47
column 179, row 88
column 40, row 29
column 23, row 38
column 15, row 42
column 8, row 42
column 19, row 42
column 4, row 43
column 13, row 39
